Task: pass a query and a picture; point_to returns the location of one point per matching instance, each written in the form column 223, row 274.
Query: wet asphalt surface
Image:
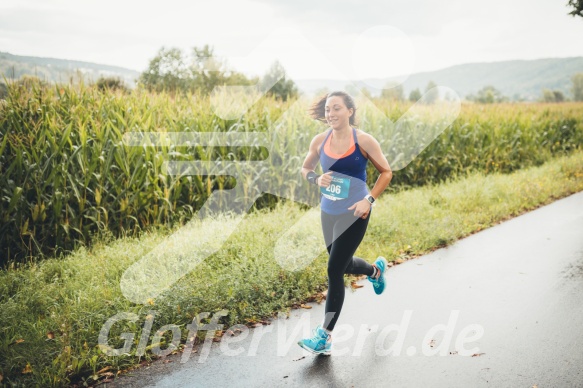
column 500, row 308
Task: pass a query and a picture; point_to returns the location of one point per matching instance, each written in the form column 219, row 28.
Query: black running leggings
column 342, row 235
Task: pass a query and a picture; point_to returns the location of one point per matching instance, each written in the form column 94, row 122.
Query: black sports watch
column 369, row 198
column 312, row 177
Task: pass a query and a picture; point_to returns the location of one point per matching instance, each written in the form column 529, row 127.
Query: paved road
column 514, row 292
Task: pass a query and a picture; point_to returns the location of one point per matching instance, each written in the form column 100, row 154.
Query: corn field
column 67, row 175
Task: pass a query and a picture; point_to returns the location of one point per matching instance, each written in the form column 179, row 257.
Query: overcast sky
column 313, row 39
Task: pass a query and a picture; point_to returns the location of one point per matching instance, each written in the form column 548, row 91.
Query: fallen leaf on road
column 305, row 306
column 477, row 354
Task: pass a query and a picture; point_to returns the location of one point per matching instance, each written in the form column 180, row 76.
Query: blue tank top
column 350, row 171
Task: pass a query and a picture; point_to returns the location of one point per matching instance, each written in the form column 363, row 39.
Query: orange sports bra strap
column 325, row 139
column 327, row 150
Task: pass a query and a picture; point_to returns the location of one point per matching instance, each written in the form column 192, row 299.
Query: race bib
column 338, row 188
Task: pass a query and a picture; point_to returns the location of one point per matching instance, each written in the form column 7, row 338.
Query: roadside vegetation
column 53, row 310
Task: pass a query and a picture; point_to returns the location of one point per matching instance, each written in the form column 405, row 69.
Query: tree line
column 171, row 70
column 487, row 95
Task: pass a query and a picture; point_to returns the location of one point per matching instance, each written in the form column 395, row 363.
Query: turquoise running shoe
column 379, row 283
column 320, row 343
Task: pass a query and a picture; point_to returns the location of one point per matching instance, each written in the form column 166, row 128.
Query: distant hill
column 517, row 79
column 60, row 70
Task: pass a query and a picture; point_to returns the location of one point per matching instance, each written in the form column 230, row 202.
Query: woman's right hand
column 324, row 180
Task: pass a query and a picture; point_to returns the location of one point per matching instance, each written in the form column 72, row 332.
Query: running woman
column 346, row 204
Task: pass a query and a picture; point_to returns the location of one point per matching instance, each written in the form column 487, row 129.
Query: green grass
column 65, row 173
column 70, row 298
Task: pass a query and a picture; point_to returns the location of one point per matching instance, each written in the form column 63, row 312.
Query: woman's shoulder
column 363, row 137
column 318, row 141
column 319, row 138
column 366, row 141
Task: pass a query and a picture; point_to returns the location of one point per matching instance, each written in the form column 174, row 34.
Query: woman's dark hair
column 318, row 109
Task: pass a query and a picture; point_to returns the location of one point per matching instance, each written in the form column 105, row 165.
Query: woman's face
column 336, row 112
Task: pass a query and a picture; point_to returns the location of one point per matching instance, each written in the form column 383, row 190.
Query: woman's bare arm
column 312, row 158
column 378, row 159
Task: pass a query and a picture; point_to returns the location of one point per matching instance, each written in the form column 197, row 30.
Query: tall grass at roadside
column 52, row 311
column 66, row 175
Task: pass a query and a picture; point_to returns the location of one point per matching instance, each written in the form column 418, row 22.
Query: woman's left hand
column 362, row 208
